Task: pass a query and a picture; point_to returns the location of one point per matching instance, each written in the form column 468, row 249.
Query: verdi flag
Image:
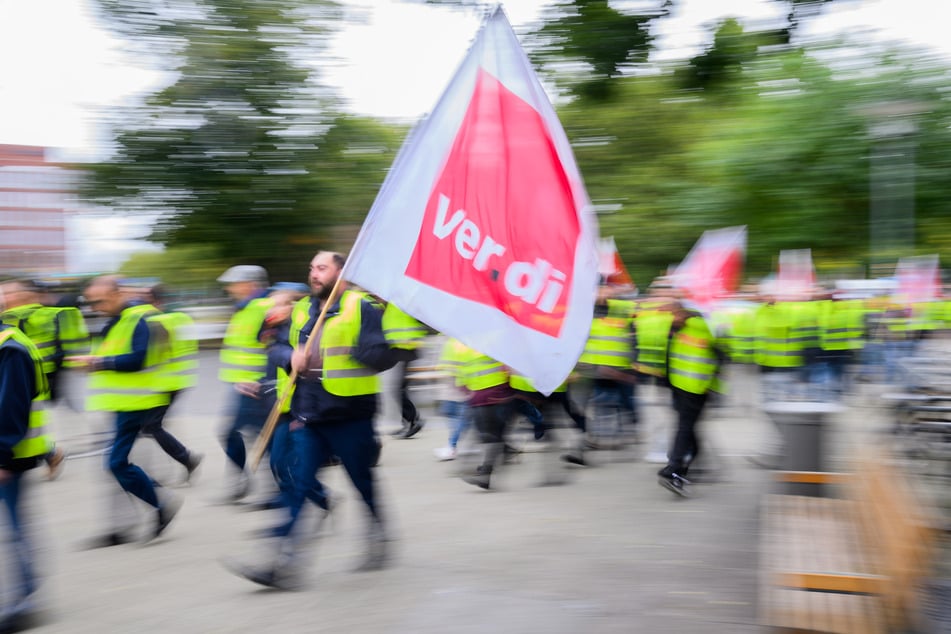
column 713, row 267
column 483, row 229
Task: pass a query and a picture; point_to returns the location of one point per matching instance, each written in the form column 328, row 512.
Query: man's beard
column 323, row 291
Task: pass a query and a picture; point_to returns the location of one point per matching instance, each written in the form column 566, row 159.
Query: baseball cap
column 294, row 287
column 244, row 273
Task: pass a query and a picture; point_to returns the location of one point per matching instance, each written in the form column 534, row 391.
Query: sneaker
column 55, row 463
column 399, row 433
column 409, row 429
column 674, row 483
column 574, row 458
column 164, row 516
column 445, row 453
column 194, row 461
column 479, row 478
column 277, row 577
column 115, row 538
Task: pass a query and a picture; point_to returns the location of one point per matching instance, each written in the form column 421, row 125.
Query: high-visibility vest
column 742, row 336
column 776, row 344
column 37, row 322
column 692, row 365
column 522, row 383
column 609, row 343
column 805, row 323
column 243, row 356
column 180, row 359
column 652, row 328
column 452, row 357
column 37, row 441
column 842, row 325
column 342, row 374
column 481, row 372
column 621, row 308
column 113, row 391
column 402, row 330
column 73, row 335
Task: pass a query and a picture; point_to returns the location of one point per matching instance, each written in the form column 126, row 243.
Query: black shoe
column 480, row 478
column 408, row 430
column 164, row 516
column 194, row 461
column 674, row 483
column 399, row 433
column 115, row 538
column 279, row 578
column 574, row 458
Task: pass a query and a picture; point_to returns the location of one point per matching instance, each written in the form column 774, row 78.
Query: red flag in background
column 610, row 265
column 796, row 278
column 919, row 279
column 483, row 229
column 714, row 266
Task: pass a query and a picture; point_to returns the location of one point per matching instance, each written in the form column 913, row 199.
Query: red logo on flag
column 500, row 226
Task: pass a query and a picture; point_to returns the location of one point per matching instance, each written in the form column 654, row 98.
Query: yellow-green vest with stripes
column 342, row 374
column 609, row 343
column 692, row 363
column 243, row 356
column 402, row 330
column 38, row 440
column 652, row 328
column 480, row 372
column 112, row 391
column 179, row 368
column 37, row 322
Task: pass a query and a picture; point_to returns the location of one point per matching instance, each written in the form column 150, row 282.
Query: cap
column 294, row 287
column 244, row 273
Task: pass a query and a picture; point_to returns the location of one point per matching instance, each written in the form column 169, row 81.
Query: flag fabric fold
column 713, row 267
column 483, row 228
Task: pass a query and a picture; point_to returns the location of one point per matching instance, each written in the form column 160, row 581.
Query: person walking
column 692, row 365
column 243, row 365
column 124, row 380
column 333, row 407
column 24, row 440
column 178, row 372
column 405, row 334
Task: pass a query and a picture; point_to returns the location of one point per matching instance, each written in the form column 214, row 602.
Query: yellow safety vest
column 180, row 359
column 481, row 372
column 243, row 356
column 402, row 330
column 113, row 391
column 693, row 362
column 342, row 374
column 38, row 440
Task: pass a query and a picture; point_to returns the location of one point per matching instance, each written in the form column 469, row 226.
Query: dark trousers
column 283, row 462
column 407, row 407
column 249, row 415
column 490, row 422
column 21, row 551
column 354, row 442
column 689, row 407
column 131, row 477
column 169, row 443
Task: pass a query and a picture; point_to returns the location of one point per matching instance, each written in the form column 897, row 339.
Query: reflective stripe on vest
column 343, row 375
column 482, row 372
column 113, row 391
column 37, row 441
column 243, row 357
column 609, row 343
column 693, row 363
column 652, row 329
column 179, row 367
column 402, row 330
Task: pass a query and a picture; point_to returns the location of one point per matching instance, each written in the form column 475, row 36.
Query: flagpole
column 260, row 445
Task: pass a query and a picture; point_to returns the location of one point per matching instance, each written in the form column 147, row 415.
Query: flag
column 919, row 279
column 796, row 276
column 713, row 267
column 610, row 265
column 483, row 229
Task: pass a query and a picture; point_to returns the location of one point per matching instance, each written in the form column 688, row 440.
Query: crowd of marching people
column 305, row 361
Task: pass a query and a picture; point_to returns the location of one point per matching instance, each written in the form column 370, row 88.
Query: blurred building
column 35, row 195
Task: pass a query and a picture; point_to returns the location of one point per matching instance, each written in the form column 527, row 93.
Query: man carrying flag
column 333, row 409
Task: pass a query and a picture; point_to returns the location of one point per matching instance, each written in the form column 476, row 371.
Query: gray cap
column 244, row 273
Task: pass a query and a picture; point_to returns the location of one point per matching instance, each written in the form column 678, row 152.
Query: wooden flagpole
column 260, row 445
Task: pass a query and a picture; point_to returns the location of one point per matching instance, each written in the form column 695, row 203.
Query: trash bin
column 802, row 425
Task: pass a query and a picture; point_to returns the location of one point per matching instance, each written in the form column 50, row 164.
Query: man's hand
column 248, row 388
column 299, row 361
column 88, row 362
column 5, row 476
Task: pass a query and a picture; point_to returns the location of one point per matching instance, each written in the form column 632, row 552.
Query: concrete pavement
column 606, row 551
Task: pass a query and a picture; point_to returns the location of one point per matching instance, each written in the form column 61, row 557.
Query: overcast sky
column 60, row 68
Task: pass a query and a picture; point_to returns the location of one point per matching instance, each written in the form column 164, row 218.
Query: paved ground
column 606, row 551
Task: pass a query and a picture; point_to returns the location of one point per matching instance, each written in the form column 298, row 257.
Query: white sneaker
column 444, row 453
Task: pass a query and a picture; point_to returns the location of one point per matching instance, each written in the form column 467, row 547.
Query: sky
column 59, row 68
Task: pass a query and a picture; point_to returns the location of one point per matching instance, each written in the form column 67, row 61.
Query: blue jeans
column 458, row 414
column 10, row 491
column 132, row 478
column 283, row 463
column 354, row 442
column 249, row 414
